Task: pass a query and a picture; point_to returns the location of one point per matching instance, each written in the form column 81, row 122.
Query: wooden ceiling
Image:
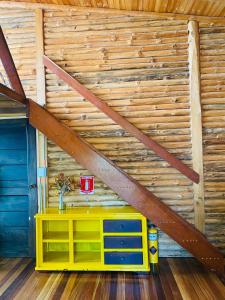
column 212, row 8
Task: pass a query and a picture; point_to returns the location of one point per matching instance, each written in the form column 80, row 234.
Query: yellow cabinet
column 92, row 238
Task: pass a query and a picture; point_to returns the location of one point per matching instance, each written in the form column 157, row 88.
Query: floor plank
column 178, row 279
column 194, row 282
column 168, row 282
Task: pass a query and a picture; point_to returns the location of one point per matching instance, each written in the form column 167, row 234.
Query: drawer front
column 123, row 258
column 113, row 242
column 122, row 225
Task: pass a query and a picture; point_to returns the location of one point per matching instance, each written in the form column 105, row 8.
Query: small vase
column 61, row 204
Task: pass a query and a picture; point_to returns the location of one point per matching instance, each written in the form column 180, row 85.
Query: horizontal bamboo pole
column 25, row 5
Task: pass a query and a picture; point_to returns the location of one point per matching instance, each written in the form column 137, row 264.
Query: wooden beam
column 41, row 99
column 7, row 92
column 196, row 123
column 127, row 188
column 123, row 122
column 170, row 16
column 9, row 66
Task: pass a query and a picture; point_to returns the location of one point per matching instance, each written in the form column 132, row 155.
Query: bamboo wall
column 142, row 73
column 212, row 49
column 139, row 66
column 19, row 28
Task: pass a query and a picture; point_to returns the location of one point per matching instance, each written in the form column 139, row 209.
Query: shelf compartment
column 55, row 252
column 86, row 230
column 86, row 236
column 87, row 252
column 87, row 257
column 56, row 230
column 56, row 236
column 56, row 257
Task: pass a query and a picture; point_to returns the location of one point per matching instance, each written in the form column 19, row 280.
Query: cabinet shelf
column 86, row 236
column 56, row 236
column 87, row 257
column 56, row 257
column 55, row 252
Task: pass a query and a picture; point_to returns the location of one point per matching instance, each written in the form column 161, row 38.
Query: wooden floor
column 178, row 279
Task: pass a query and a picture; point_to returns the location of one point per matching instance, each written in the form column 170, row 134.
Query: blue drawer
column 122, row 226
column 123, row 258
column 113, row 242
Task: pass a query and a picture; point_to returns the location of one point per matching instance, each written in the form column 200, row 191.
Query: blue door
column 18, row 200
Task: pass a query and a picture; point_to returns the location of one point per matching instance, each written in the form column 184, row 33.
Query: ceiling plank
column 172, row 10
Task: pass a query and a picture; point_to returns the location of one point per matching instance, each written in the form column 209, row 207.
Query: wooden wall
column 212, row 50
column 19, row 28
column 139, row 66
column 142, row 72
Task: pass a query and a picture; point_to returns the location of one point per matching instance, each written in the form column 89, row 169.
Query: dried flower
column 64, row 183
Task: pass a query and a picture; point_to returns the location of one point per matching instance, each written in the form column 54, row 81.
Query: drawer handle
column 122, row 243
column 122, row 258
column 121, row 226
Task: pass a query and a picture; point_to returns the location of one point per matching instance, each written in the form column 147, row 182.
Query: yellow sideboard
column 92, row 238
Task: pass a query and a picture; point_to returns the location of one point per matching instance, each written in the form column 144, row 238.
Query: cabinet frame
column 90, row 214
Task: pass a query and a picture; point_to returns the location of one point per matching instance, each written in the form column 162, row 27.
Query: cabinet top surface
column 90, row 211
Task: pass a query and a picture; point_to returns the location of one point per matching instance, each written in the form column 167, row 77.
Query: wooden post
column 196, row 123
column 41, row 99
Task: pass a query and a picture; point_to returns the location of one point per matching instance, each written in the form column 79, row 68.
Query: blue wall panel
column 13, row 157
column 15, row 172
column 11, row 191
column 18, row 235
column 9, row 138
column 15, row 202
column 11, row 184
column 13, row 219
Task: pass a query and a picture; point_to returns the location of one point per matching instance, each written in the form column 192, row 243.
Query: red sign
column 87, row 184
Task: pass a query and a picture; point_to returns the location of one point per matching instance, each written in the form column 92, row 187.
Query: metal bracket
column 42, row 172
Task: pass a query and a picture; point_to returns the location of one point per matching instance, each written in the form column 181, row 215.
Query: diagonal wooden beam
column 9, row 66
column 4, row 90
column 123, row 122
column 127, row 187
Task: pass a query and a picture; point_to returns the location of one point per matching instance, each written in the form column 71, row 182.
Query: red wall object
column 87, row 184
